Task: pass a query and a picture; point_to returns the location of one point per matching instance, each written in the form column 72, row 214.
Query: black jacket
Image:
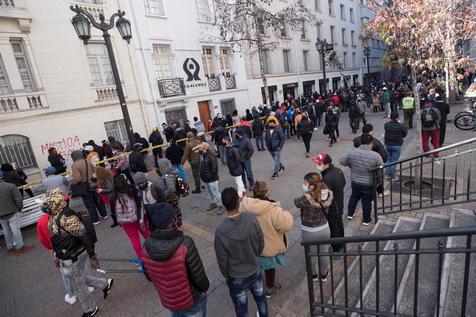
column 169, row 133
column 174, row 153
column 394, row 132
column 58, row 162
column 156, row 138
column 245, row 147
column 258, row 127
column 137, row 163
column 377, row 147
column 334, row 178
column 209, row 167
column 14, row 177
column 219, row 131
column 444, row 111
column 233, row 161
column 332, row 120
column 305, row 126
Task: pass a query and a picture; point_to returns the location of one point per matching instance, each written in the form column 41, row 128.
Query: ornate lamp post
column 323, row 48
column 82, row 25
column 367, row 51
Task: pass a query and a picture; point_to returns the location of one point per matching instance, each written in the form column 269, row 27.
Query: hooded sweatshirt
column 168, row 178
column 239, row 243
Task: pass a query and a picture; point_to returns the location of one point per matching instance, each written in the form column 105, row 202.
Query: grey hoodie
column 238, row 244
column 168, row 178
column 11, row 200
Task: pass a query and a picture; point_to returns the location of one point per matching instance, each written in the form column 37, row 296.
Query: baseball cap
column 322, row 158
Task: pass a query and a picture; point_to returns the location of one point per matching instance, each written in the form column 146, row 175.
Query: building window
column 344, row 62
column 342, row 12
column 353, row 60
column 178, row 116
column 207, row 60
column 286, row 61
column 305, row 58
column 23, row 65
column 16, row 149
column 5, row 88
column 317, row 5
column 227, row 106
column 351, row 15
column 99, row 64
column 265, row 60
column 155, row 7
column 225, row 60
column 117, row 129
column 162, row 59
column 303, row 30
column 332, row 34
column 331, row 7
column 352, row 37
column 204, row 11
column 344, row 40
column 318, row 30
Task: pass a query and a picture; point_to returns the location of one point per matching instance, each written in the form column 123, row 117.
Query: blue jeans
column 213, row 192
column 364, row 193
column 259, row 141
column 199, row 309
column 93, row 205
column 286, row 131
column 249, row 173
column 221, row 152
column 277, row 161
column 180, row 171
column 238, row 288
column 12, row 231
column 393, row 156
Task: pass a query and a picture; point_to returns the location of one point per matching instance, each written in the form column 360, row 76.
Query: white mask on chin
column 324, row 194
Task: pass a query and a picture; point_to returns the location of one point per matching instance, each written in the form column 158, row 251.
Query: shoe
column 220, row 210
column 91, row 313
column 315, row 129
column 70, row 299
column 268, row 293
column 137, row 262
column 96, row 223
column 275, row 175
column 115, row 224
column 202, row 187
column 324, row 276
column 385, row 193
column 24, row 249
column 330, row 144
column 350, row 217
column 105, row 217
column 338, row 139
column 366, row 223
column 196, row 191
column 211, row 207
column 106, row 290
column 282, row 168
column 90, row 289
column 315, row 278
column 307, row 154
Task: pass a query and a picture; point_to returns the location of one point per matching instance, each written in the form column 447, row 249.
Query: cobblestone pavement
column 31, row 286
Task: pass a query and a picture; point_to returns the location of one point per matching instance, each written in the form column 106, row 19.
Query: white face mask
column 305, row 189
column 324, row 194
column 319, row 168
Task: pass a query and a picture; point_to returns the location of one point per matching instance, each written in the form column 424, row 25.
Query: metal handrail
column 459, row 231
column 440, row 149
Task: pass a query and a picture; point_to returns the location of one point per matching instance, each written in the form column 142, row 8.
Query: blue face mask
column 305, row 188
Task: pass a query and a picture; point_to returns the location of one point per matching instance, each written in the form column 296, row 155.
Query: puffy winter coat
column 245, row 147
column 209, row 167
column 172, row 262
column 233, row 161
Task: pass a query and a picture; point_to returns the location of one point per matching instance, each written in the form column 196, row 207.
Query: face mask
column 319, row 168
column 305, row 189
column 114, row 152
column 324, row 194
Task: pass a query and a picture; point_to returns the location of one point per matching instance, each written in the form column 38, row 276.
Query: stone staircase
column 397, row 280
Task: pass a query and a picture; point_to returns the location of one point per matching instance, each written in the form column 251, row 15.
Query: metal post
column 120, row 92
column 368, row 69
column 323, row 59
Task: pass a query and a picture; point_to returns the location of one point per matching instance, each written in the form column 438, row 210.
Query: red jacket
column 336, row 100
column 43, row 232
column 172, row 262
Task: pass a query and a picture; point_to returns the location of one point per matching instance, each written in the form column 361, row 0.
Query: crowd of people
column 251, row 239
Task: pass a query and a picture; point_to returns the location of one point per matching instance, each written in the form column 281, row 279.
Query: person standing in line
column 11, row 205
column 444, row 109
column 275, row 223
column 408, row 110
column 56, row 160
column 155, row 138
column 168, row 187
column 194, row 159
column 275, row 143
column 52, row 180
column 239, row 242
column 385, row 97
column 314, row 205
column 362, row 161
column 11, row 174
column 362, row 109
column 175, row 153
column 395, row 132
column 199, row 126
column 246, row 152
column 337, row 113
column 331, row 121
column 234, row 164
column 377, row 145
column 105, row 190
column 73, row 240
column 121, row 164
column 305, row 128
column 219, row 132
column 209, row 175
column 136, row 160
column 236, row 119
column 334, row 178
column 258, row 129
column 430, row 126
column 297, row 119
column 172, row 263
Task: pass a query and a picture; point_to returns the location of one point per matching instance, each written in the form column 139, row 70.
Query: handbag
column 81, row 189
column 326, row 130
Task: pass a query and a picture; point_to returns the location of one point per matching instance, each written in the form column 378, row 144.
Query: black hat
column 162, row 215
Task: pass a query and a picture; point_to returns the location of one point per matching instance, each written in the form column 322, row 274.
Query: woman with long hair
column 314, row 205
column 105, row 187
column 305, row 128
column 125, row 201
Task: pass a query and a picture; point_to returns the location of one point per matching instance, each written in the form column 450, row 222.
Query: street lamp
column 367, row 51
column 82, row 25
column 323, row 48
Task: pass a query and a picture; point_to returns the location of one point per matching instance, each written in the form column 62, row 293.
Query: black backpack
column 428, row 117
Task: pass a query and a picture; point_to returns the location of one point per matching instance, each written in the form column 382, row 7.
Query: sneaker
column 275, row 175
column 307, row 154
column 105, row 217
column 220, row 210
column 366, row 223
column 211, row 207
column 315, row 278
column 106, row 290
column 137, row 262
column 96, row 223
column 90, row 289
column 315, row 129
column 270, row 292
column 350, row 217
column 385, row 193
column 91, row 313
column 24, row 249
column 324, row 276
column 196, row 191
column 70, row 299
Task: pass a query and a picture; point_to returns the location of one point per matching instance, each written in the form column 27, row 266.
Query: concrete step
column 387, row 269
column 453, row 269
column 428, row 273
column 368, row 264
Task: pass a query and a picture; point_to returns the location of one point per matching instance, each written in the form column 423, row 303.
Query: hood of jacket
column 326, row 195
column 165, row 166
column 257, row 207
column 55, row 201
column 237, row 228
column 76, row 155
column 162, row 244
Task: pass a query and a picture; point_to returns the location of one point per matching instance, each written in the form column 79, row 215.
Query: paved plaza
column 31, row 286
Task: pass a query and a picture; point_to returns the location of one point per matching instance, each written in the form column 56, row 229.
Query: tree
column 334, row 61
column 245, row 22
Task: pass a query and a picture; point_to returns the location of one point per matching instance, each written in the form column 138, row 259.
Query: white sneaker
column 315, row 129
column 90, row 289
column 96, row 223
column 70, row 299
column 385, row 193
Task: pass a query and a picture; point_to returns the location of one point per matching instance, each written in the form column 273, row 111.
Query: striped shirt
column 361, row 161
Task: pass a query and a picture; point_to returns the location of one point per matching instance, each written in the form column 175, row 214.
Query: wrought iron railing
column 325, row 304
column 230, row 82
column 214, row 83
column 426, row 181
column 171, row 87
column 7, row 3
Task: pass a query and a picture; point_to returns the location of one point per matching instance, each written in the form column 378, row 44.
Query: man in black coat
column 136, row 160
column 209, row 175
column 377, row 144
column 334, row 178
column 258, row 129
column 156, row 139
column 444, row 111
column 246, row 152
column 168, row 131
column 234, row 164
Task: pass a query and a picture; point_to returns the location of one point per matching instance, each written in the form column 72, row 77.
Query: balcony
column 230, row 82
column 95, row 7
column 22, row 102
column 10, row 9
column 171, row 87
column 7, row 4
column 214, row 83
column 106, row 93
